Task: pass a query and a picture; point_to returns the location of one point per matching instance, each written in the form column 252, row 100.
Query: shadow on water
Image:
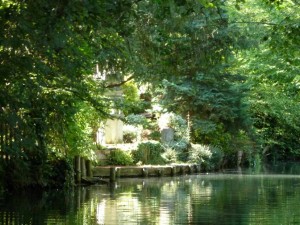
column 43, row 207
column 32, row 207
column 285, row 168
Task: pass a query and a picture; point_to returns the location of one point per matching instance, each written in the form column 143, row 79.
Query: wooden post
column 118, row 172
column 195, row 168
column 113, row 171
column 191, row 169
column 88, row 165
column 77, row 169
column 173, row 170
column 83, row 168
column 181, row 169
column 159, row 172
column 145, row 172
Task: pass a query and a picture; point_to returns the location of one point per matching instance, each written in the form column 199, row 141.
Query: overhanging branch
column 119, row 84
column 255, row 22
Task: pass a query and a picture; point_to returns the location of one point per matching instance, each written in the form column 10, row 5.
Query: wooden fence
column 7, row 140
column 16, row 134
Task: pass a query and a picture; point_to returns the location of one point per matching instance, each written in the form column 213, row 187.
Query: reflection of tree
column 35, row 207
column 206, row 200
column 232, row 199
column 222, row 199
column 246, row 200
column 278, row 200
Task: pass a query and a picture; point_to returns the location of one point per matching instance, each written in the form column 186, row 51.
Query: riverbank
column 114, row 172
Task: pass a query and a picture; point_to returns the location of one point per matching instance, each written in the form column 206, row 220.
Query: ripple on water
column 233, row 199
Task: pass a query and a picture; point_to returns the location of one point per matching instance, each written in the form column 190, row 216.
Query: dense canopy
column 232, row 66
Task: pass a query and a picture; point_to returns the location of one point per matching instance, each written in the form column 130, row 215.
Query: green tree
column 182, row 49
column 48, row 52
column 271, row 63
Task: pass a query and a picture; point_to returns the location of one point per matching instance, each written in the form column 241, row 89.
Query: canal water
column 226, row 198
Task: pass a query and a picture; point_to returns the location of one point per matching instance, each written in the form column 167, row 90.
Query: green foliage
column 136, row 120
column 155, row 135
column 130, row 92
column 132, row 104
column 180, row 144
column 149, row 152
column 257, row 163
column 209, row 157
column 131, row 133
column 170, row 155
column 48, row 52
column 211, row 133
column 74, row 136
column 120, row 158
column 272, row 66
column 59, row 173
column 199, row 41
column 216, row 160
column 19, row 175
column 1, row 177
column 177, row 123
column 200, row 153
column 181, row 148
column 129, row 137
column 224, row 67
column 242, row 142
column 182, row 34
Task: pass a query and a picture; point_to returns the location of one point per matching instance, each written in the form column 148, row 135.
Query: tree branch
column 254, row 22
column 119, row 84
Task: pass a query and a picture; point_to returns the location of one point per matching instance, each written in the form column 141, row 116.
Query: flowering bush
column 200, row 153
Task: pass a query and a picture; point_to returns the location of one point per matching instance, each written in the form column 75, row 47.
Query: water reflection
column 233, row 198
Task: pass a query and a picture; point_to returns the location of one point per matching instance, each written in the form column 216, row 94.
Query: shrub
column 145, row 134
column 60, row 172
column 155, row 135
column 131, row 133
column 216, row 159
column 136, row 120
column 199, row 153
column 149, row 152
column 209, row 157
column 120, row 158
column 129, row 137
column 180, row 126
column 176, row 122
column 170, row 155
column 131, row 101
column 181, row 148
column 130, row 91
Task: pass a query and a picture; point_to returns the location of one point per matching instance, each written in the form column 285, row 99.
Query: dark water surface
column 231, row 198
